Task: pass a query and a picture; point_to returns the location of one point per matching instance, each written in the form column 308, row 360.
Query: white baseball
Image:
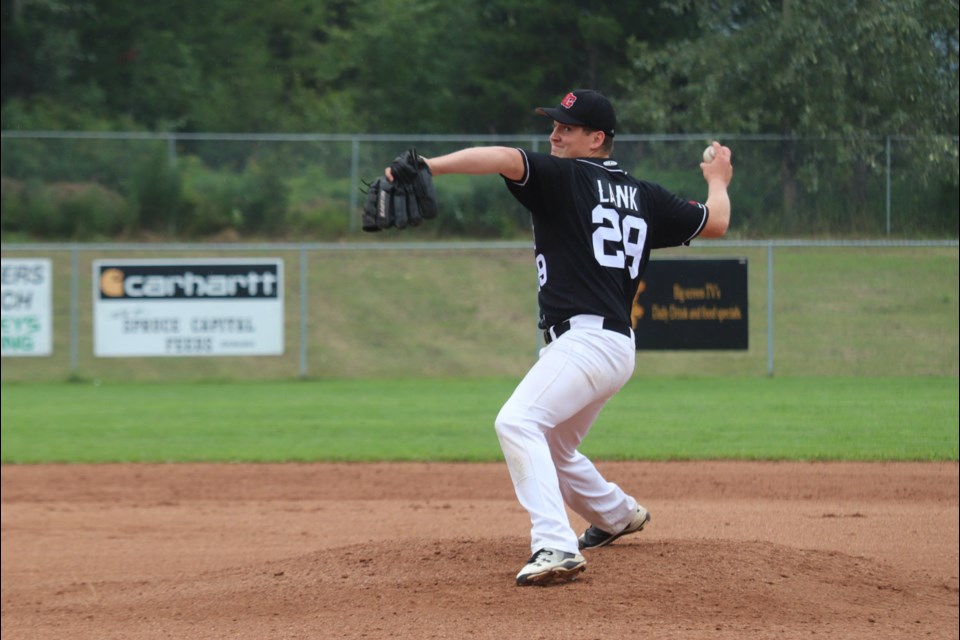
column 709, row 154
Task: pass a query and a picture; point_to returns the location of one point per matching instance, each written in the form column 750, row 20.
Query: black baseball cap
column 584, row 108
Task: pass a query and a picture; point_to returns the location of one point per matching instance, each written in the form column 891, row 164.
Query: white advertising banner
column 189, row 307
column 27, row 319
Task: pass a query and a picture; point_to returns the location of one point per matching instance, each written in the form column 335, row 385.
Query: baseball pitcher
column 594, row 227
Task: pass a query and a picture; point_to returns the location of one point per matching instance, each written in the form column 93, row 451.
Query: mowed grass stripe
column 822, row 418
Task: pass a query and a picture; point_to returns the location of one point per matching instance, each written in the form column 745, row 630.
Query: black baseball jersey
column 594, row 227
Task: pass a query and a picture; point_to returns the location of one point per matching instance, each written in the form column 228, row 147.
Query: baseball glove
column 407, row 201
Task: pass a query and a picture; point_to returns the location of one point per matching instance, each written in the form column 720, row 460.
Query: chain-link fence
column 382, row 309
column 83, row 186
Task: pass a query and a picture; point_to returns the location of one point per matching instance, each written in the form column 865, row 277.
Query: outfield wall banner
column 692, row 305
column 27, row 315
column 189, row 307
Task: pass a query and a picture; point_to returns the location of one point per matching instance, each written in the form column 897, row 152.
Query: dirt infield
column 404, row 551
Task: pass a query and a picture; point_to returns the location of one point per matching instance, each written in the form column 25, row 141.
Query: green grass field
column 822, row 418
column 412, row 353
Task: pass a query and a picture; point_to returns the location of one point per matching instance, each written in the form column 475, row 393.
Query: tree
column 854, row 71
column 818, row 67
column 480, row 66
column 182, row 65
column 42, row 52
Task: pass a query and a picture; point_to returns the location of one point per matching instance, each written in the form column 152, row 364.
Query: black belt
column 562, row 327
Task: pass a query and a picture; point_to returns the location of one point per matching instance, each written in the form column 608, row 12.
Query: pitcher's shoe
column 594, row 538
column 551, row 565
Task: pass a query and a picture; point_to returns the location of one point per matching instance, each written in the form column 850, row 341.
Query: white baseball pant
column 543, row 423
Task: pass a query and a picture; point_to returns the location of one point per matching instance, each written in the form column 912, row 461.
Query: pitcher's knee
column 510, row 425
column 504, row 426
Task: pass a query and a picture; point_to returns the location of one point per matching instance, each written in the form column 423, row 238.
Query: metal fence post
column 354, row 181
column 770, row 310
column 889, row 178
column 172, row 151
column 304, row 365
column 74, row 309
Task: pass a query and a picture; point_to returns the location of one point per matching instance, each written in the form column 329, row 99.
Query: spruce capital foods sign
column 190, row 307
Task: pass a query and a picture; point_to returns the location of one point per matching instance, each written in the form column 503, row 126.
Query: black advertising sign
column 692, row 305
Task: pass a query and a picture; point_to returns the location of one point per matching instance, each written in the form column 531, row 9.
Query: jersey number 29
column 631, row 232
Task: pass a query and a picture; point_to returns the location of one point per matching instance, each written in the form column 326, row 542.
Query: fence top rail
column 421, row 137
column 431, row 246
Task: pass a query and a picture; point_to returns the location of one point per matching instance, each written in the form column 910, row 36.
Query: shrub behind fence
column 82, row 186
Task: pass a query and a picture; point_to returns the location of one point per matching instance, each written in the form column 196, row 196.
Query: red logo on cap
column 568, row 101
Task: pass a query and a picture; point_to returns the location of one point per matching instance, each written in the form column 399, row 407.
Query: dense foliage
column 855, row 73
